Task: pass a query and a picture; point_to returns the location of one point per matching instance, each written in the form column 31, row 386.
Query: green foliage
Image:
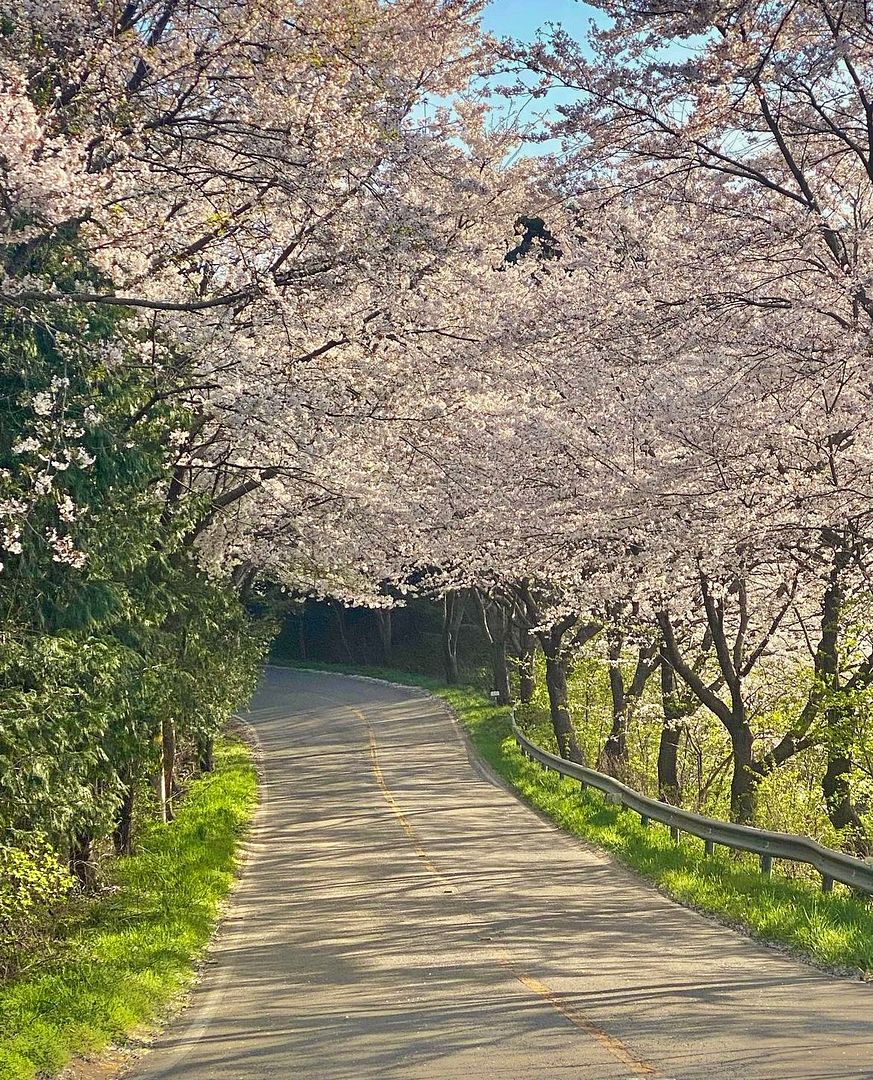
column 134, row 951
column 60, row 692
column 789, row 798
column 119, row 655
column 33, row 883
column 108, row 627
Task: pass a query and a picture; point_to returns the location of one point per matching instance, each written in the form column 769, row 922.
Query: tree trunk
column 745, row 779
column 450, row 641
column 624, row 703
column 494, row 619
column 383, row 623
column 526, row 668
column 168, row 765
column 836, row 783
column 159, row 779
column 301, row 634
column 841, row 809
column 454, row 603
column 122, row 835
column 565, row 736
column 557, row 657
column 206, row 753
column 747, row 773
column 669, row 790
column 500, row 671
column 343, row 636
column 450, row 663
column 614, row 756
column 614, row 759
column 82, row 864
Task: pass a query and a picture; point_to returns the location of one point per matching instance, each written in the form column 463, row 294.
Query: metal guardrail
column 832, row 865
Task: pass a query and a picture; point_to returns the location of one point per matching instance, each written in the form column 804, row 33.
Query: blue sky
column 522, row 18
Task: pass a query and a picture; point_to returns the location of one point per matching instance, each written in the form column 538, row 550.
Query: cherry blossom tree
column 744, row 150
column 620, row 396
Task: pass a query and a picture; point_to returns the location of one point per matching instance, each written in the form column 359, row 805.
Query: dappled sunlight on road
column 403, row 916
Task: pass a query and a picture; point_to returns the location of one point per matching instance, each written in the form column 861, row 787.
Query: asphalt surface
column 403, row 916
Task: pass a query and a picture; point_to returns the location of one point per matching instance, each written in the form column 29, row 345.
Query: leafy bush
column 134, row 947
column 33, row 883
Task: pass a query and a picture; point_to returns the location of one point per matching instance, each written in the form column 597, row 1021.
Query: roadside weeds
column 130, row 964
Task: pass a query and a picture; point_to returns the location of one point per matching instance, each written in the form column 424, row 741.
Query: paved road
column 404, row 917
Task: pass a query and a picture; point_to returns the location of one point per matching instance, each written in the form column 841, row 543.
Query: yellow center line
column 638, row 1066
column 393, row 804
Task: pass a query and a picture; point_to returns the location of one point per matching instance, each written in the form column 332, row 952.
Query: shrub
column 33, row 883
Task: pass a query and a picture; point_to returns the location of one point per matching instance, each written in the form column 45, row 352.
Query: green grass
column 833, row 930
column 137, row 948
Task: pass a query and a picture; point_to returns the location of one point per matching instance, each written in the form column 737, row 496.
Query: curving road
column 403, row 916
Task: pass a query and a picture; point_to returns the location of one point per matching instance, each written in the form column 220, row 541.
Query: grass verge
column 833, row 930
column 137, row 947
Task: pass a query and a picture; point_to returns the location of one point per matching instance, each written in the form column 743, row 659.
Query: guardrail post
column 708, row 847
column 827, row 883
column 582, row 786
column 766, row 864
column 674, row 832
column 644, row 820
